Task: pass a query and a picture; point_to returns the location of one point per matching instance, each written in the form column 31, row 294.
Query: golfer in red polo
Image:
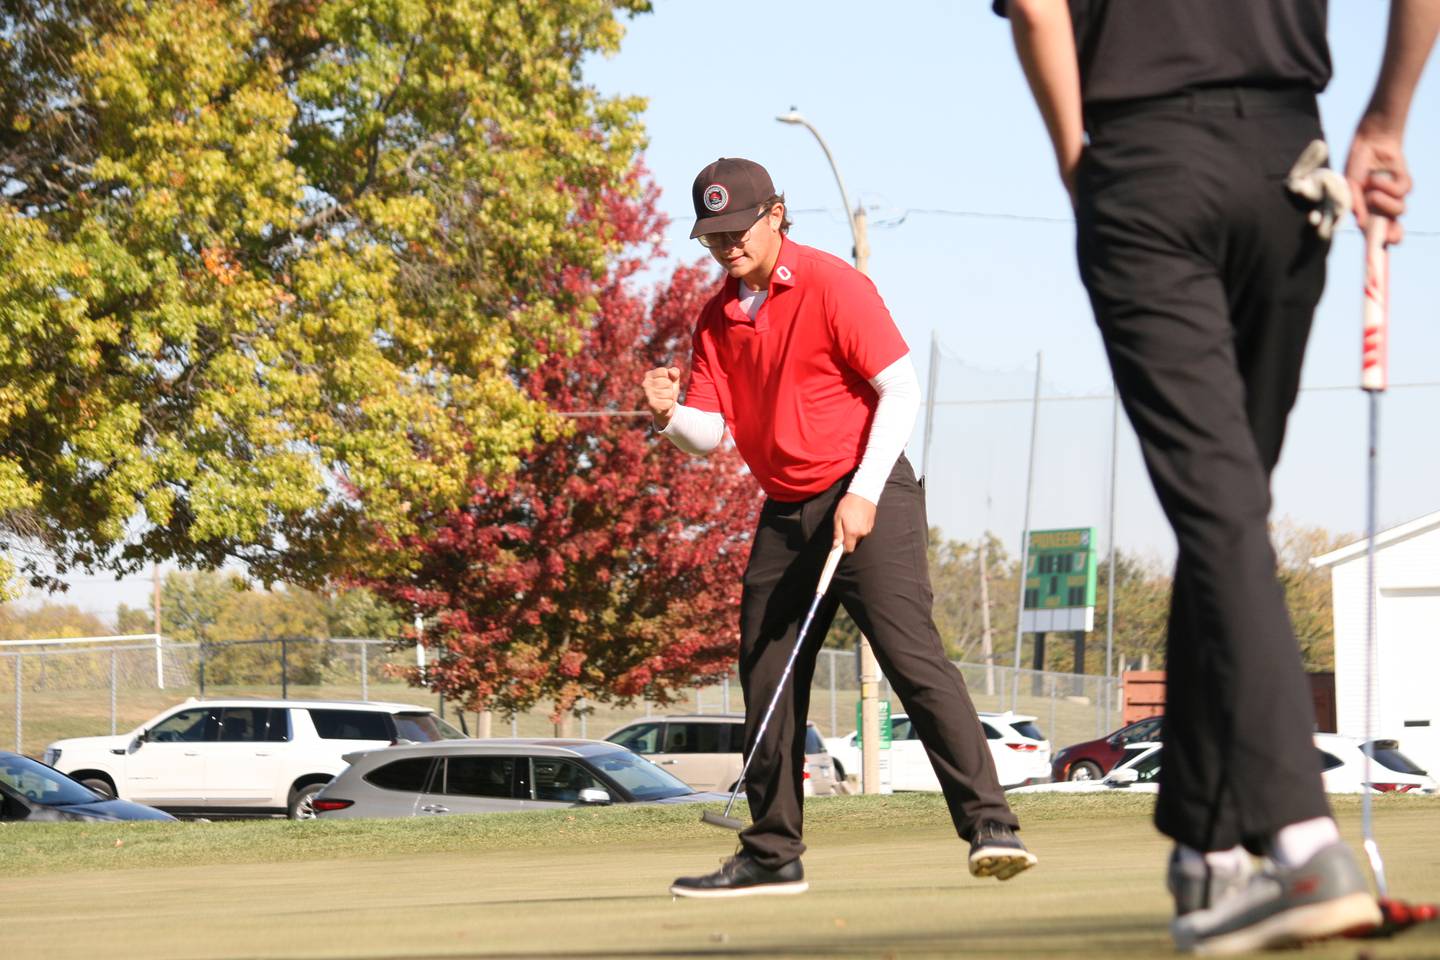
column 798, row 357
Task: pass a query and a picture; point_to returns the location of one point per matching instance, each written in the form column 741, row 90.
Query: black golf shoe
column 995, row 851
column 740, row 876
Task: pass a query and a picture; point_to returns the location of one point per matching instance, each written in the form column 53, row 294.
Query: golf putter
column 724, row 820
column 1396, row 915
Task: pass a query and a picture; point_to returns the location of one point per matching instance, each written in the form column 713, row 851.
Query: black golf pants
column 885, row 587
column 1204, row 274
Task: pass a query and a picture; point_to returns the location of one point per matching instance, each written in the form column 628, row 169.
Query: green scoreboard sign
column 885, row 731
column 1060, row 581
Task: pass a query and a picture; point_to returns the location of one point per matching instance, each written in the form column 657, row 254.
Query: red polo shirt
column 793, row 383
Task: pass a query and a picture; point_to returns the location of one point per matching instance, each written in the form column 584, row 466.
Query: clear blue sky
column 925, row 109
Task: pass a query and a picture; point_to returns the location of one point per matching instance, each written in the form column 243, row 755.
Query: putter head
column 1397, row 916
column 720, row 820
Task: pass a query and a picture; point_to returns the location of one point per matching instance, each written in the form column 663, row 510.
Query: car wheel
column 100, row 786
column 1084, row 770
column 302, row 806
column 839, row 770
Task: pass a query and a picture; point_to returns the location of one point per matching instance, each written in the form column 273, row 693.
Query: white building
column 1407, row 637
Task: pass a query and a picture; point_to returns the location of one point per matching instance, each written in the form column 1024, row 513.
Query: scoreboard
column 1060, row 581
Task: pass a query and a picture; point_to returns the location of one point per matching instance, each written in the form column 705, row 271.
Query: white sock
column 1296, row 843
column 1234, row 860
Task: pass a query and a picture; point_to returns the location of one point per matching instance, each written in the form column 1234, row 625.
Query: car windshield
column 641, row 778
column 1147, row 768
column 424, row 727
column 1387, row 754
column 1027, row 728
column 1141, row 731
column 37, row 782
column 813, row 743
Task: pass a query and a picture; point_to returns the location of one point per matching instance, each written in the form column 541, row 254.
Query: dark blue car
column 31, row 791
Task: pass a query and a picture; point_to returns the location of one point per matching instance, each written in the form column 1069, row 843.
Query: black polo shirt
column 1133, row 49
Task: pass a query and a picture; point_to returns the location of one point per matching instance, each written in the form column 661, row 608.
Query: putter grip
column 831, row 562
column 1375, row 347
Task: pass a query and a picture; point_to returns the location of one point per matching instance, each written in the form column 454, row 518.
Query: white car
column 1138, row 771
column 497, row 776
column 241, row 757
column 1020, row 750
column 705, row 750
column 1342, row 761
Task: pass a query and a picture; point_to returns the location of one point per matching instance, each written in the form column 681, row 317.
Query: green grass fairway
column 888, row 880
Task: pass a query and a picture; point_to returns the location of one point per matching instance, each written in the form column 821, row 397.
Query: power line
column 579, row 414
column 1328, row 388
column 971, row 214
column 897, row 220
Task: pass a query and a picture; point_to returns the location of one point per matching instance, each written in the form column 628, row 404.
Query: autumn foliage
column 609, row 565
column 255, row 253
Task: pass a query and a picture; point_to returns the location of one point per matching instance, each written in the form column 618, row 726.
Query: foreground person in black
column 1203, row 218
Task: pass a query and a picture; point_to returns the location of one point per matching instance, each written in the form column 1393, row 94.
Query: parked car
column 706, row 750
column 1138, row 771
column 31, row 791
column 1020, row 751
column 240, row 757
column 496, row 776
column 1093, row 759
column 1342, row 761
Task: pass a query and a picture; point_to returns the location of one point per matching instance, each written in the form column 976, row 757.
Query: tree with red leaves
column 609, row 565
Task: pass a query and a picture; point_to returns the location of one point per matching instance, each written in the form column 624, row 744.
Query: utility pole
column 1110, row 588
column 930, row 381
column 861, row 239
column 159, row 654
column 869, row 666
column 987, row 647
column 1025, row 538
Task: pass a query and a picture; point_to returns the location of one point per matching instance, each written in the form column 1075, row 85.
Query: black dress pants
column 885, row 587
column 1204, row 275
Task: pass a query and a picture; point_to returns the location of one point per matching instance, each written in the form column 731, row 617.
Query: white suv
column 242, row 757
column 1020, row 751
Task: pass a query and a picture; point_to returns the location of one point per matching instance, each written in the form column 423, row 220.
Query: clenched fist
column 662, row 393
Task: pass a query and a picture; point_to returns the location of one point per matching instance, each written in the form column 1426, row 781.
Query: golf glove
column 1311, row 179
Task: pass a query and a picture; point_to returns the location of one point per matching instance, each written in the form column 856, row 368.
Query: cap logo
column 717, row 198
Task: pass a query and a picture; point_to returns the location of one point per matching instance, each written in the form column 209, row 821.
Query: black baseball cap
column 727, row 195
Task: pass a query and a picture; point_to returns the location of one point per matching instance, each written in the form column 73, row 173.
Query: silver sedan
column 496, row 776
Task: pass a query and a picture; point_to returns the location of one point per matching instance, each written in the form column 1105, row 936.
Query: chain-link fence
column 96, row 686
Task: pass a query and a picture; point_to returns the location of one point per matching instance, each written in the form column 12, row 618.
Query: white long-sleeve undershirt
column 899, row 390
column 694, row 431
column 698, row 431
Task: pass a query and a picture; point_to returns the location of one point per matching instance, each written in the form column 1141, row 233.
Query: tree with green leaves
column 1307, row 590
column 241, row 626
column 268, row 269
column 609, row 567
column 49, row 621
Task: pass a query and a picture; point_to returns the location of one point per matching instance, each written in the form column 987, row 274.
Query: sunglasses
column 730, row 238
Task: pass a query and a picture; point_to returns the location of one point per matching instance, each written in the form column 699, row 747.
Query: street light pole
column 869, row 666
column 856, row 215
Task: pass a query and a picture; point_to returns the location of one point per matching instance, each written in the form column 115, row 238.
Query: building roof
column 1385, row 538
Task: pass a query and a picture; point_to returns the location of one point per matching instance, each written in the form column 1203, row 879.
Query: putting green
column 887, row 877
